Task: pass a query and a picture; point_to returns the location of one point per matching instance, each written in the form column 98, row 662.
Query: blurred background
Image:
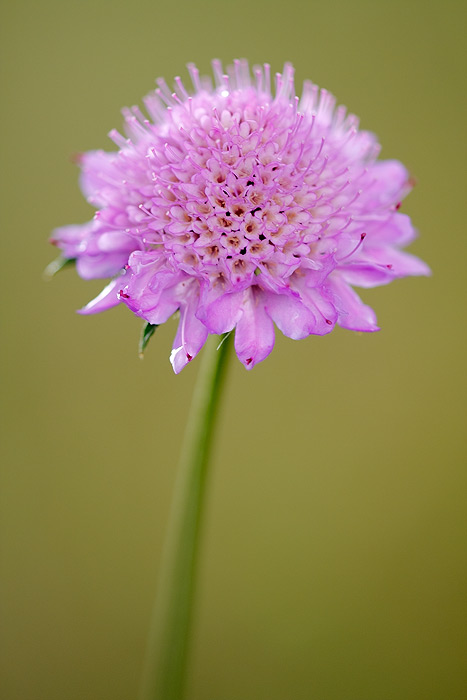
column 333, row 560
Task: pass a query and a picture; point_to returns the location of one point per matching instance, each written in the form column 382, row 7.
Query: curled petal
column 254, row 333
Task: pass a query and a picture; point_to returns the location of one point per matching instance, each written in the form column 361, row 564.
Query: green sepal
column 146, row 334
column 56, row 265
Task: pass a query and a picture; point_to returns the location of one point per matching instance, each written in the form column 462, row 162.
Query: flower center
column 244, row 179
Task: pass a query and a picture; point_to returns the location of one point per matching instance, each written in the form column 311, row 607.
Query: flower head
column 242, row 207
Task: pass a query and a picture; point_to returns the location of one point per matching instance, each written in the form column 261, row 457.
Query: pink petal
column 389, row 182
column 105, row 300
column 191, row 334
column 254, row 334
column 217, row 310
column 402, row 264
column 98, row 175
column 317, row 273
column 290, row 315
column 97, row 266
column 381, row 266
column 116, row 241
column 70, row 238
column 352, row 312
column 320, row 306
column 151, row 288
column 167, row 304
column 366, row 274
column 397, row 230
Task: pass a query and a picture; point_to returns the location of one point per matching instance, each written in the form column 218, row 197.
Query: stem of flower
column 164, row 672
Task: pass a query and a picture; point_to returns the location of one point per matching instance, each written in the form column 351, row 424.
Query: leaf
column 146, row 335
column 56, row 265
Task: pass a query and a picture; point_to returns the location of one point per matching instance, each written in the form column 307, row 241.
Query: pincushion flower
column 242, row 207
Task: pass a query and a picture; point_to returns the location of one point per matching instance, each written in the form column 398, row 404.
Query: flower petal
column 151, row 288
column 353, row 314
column 319, row 303
column 98, row 175
column 291, row 316
column 217, row 309
column 70, row 238
column 191, row 334
column 254, row 333
column 397, row 230
column 389, row 182
column 381, row 266
column 105, row 300
column 116, row 242
column 402, row 264
column 98, row 266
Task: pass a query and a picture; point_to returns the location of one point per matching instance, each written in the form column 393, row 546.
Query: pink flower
column 242, row 210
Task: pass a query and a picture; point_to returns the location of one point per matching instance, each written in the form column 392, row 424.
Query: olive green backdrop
column 333, row 560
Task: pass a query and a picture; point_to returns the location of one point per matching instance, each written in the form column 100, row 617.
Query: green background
column 333, row 561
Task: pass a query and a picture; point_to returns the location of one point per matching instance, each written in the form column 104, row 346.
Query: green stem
column 166, row 658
